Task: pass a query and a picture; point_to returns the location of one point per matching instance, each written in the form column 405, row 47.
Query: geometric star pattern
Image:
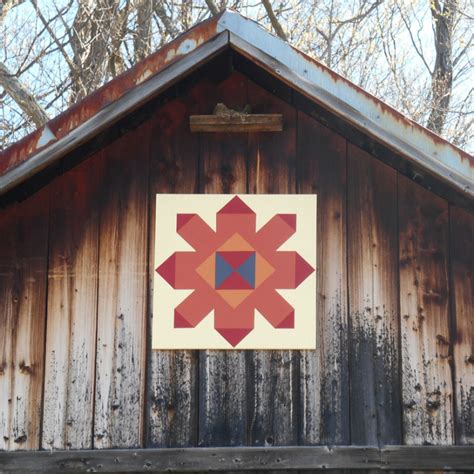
column 235, row 270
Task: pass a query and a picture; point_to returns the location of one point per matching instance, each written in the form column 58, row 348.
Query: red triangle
column 183, row 219
column 180, row 321
column 235, row 282
column 234, row 336
column 236, row 206
column 302, row 270
column 236, row 258
column 288, row 322
column 167, row 270
column 290, row 219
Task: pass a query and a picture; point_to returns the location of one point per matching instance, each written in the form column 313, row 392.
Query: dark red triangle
column 180, row 321
column 235, row 282
column 290, row 219
column 302, row 270
column 236, row 258
column 167, row 270
column 233, row 336
column 236, row 206
column 183, row 219
column 288, row 322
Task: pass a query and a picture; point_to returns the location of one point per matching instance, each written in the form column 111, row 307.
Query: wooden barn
column 390, row 384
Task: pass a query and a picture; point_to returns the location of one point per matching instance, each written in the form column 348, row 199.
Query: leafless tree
column 414, row 54
column 442, row 75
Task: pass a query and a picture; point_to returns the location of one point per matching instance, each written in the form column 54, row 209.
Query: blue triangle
column 247, row 270
column 223, row 270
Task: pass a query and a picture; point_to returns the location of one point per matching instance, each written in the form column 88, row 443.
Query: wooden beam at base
column 241, row 459
column 428, row 458
column 236, row 123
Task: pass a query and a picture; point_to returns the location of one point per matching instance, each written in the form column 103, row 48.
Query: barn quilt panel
column 235, row 272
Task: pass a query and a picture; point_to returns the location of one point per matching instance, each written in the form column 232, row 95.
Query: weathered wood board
column 424, row 307
column 223, row 375
column 172, row 379
column 122, row 294
column 23, row 281
column 462, row 279
column 373, row 300
column 72, row 310
column 236, row 123
column 324, row 373
column 245, row 459
column 274, row 389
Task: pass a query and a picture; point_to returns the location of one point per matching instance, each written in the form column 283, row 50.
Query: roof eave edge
column 113, row 112
column 346, row 100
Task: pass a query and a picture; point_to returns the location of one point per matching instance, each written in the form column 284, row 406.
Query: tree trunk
column 442, row 79
column 142, row 39
column 93, row 28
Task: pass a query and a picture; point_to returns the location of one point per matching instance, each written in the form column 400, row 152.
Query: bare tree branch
column 274, row 20
column 417, row 49
column 142, row 37
column 116, row 61
column 45, row 23
column 5, row 7
column 24, row 98
column 361, row 15
column 461, row 54
column 212, row 7
column 165, row 20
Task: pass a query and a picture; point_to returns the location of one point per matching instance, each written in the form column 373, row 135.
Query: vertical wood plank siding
column 223, row 375
column 23, row 281
column 122, row 294
column 462, row 279
column 394, row 362
column 72, row 310
column 424, row 308
column 373, row 300
column 274, row 395
column 172, row 381
column 324, row 377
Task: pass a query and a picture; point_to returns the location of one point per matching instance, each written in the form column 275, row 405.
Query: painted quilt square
column 235, row 272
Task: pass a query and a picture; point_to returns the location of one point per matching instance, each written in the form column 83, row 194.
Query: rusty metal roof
column 149, row 77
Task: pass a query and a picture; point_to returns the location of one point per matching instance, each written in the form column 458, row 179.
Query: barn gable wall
column 394, row 357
